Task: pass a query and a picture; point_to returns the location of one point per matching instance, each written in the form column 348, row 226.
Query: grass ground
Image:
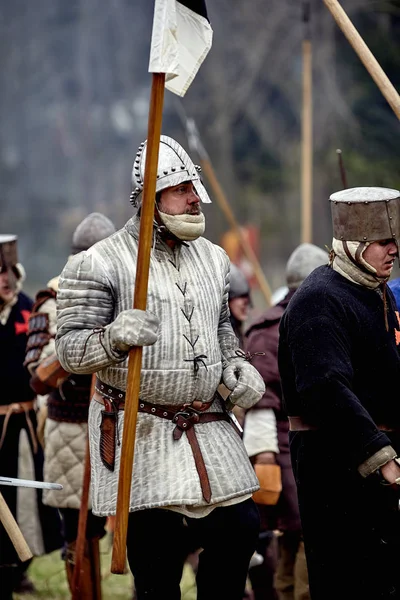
column 48, row 576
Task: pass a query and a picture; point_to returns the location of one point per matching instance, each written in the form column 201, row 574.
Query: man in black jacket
column 340, row 369
column 266, row 439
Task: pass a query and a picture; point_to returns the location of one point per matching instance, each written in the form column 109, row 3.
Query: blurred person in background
column 266, row 437
column 65, row 423
column 18, row 441
column 394, row 285
column 239, row 301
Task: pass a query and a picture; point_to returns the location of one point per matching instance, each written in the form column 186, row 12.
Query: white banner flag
column 180, row 41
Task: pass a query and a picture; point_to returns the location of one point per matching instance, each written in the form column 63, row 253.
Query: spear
column 10, row 525
column 196, row 145
column 83, row 514
column 365, row 55
column 7, row 518
column 140, row 299
column 342, row 169
column 168, row 63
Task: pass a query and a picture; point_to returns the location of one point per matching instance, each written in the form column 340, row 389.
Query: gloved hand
column 244, row 380
column 133, row 327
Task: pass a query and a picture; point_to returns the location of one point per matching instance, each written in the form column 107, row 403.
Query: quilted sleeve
column 84, row 309
column 49, row 308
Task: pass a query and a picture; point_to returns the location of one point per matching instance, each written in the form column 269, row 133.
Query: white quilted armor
column 188, row 291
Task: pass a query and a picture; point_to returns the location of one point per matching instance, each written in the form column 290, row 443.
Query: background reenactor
column 65, row 433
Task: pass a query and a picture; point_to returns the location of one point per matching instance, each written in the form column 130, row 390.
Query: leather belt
column 16, row 408
column 389, row 428
column 67, row 411
column 297, row 424
column 185, row 418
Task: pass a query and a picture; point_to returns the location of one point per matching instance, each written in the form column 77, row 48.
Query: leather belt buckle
column 184, row 420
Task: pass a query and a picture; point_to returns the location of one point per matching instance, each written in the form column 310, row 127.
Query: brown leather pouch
column 270, row 479
column 108, row 433
column 49, row 374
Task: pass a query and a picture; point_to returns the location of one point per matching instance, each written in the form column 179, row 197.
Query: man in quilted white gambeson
column 191, row 471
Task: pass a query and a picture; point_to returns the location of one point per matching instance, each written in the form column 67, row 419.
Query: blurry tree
column 74, row 107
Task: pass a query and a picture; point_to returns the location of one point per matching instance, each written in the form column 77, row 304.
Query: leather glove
column 244, row 381
column 133, row 327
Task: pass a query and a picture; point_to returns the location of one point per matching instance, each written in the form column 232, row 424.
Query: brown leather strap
column 185, row 418
column 388, row 428
column 297, row 424
column 16, row 408
column 200, row 465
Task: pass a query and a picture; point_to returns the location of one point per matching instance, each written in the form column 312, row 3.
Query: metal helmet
column 9, row 261
column 366, row 214
column 174, row 167
column 92, row 229
column 239, row 286
column 303, row 260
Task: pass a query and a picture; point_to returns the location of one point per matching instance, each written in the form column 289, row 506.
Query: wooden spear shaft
column 365, row 55
column 342, row 169
column 196, row 145
column 14, row 532
column 140, row 301
column 246, row 247
column 83, row 514
column 306, row 145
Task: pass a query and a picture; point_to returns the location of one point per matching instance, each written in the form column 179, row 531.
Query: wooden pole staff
column 246, row 247
column 365, row 55
column 197, row 146
column 83, row 514
column 14, row 532
column 306, row 132
column 342, row 169
column 118, row 560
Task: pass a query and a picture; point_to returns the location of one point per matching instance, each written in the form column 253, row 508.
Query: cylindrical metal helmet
column 303, row 260
column 8, row 252
column 92, row 229
column 9, row 260
column 174, row 167
column 366, row 214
